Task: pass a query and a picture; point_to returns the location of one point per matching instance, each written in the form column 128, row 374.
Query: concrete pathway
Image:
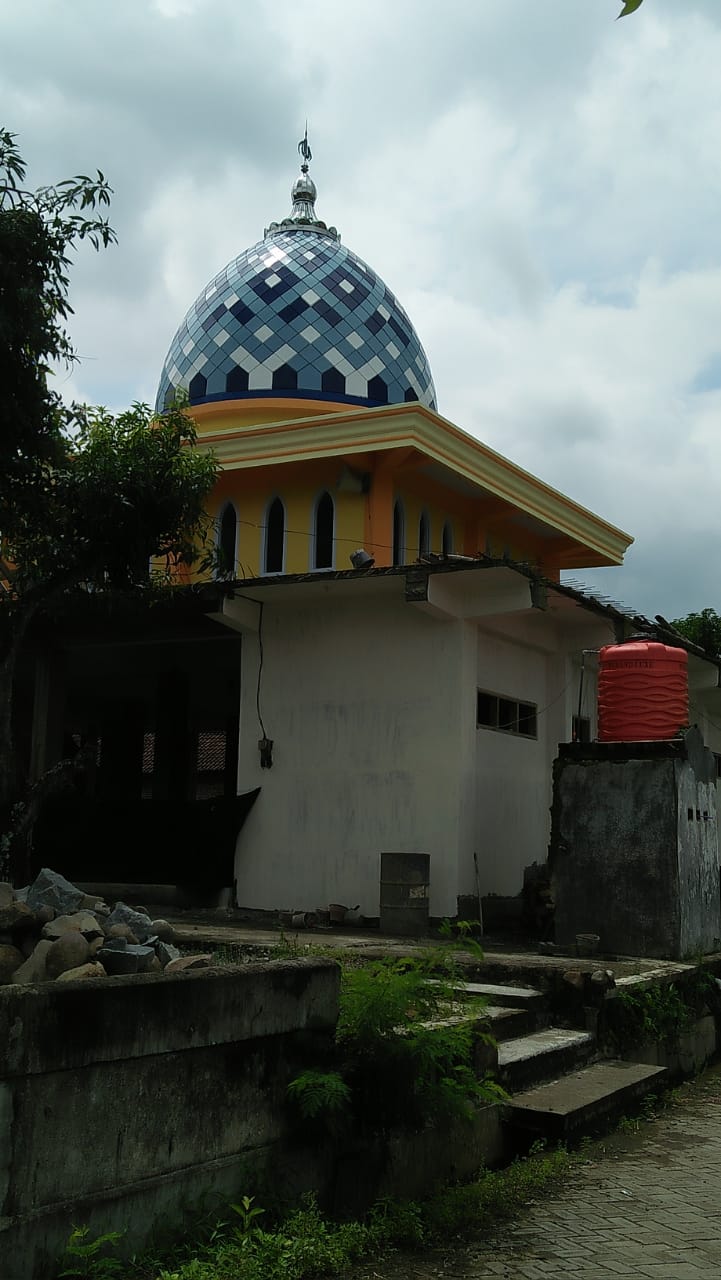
column 643, row 1205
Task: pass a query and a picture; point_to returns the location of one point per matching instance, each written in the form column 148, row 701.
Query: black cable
column 260, row 669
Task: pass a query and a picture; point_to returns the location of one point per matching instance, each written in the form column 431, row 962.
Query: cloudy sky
column 538, row 183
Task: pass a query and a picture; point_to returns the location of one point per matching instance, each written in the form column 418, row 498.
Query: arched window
column 399, row 533
column 424, row 534
column 227, row 538
column 323, row 530
column 274, row 542
column 447, row 544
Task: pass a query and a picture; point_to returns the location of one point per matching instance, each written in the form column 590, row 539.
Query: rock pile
column 52, row 930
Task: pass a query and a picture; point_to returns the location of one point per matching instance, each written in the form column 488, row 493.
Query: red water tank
column 642, row 691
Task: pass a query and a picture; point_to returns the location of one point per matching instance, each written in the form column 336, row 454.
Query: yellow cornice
column 361, row 430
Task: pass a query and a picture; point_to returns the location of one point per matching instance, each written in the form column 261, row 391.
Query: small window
column 527, row 720
column 323, row 520
column 227, row 535
column 274, row 538
column 506, row 715
column 487, row 712
column 399, row 533
column 447, row 543
column 424, row 535
column 210, row 764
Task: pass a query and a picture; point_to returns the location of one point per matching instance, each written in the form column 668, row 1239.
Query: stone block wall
column 125, row 1101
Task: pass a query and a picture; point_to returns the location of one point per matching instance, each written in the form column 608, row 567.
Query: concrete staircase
column 559, row 1084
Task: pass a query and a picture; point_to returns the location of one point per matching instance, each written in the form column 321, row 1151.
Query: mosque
column 390, row 658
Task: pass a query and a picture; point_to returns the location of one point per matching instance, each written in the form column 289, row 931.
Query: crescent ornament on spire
column 304, row 150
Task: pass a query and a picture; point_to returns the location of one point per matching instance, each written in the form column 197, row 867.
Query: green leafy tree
column 703, row 629
column 87, row 498
column 39, row 231
column 630, row 7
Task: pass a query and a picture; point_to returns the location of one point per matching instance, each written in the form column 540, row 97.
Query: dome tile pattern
column 298, row 314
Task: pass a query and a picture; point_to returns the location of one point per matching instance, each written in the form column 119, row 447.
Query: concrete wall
column 125, row 1101
column 363, row 699
column 513, row 772
column 371, row 704
column 634, row 848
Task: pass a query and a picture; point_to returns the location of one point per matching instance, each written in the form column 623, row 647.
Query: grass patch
column 306, row 1245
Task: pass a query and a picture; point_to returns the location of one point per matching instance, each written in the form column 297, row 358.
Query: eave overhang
column 578, row 536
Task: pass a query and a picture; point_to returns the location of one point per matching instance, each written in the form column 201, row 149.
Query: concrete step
column 530, row 1059
column 511, row 997
column 581, row 1100
column 507, row 1024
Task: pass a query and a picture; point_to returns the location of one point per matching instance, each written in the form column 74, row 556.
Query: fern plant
column 86, row 1258
column 322, row 1096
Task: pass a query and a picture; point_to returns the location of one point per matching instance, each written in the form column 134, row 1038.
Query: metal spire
column 302, row 216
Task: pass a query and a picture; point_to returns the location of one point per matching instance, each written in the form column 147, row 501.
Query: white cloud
column 537, row 183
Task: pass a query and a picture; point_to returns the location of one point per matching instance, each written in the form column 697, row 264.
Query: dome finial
column 303, row 194
column 304, row 191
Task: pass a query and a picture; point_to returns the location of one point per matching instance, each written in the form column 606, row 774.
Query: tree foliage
column 703, row 629
column 630, row 7
column 127, row 488
column 39, row 231
column 87, row 498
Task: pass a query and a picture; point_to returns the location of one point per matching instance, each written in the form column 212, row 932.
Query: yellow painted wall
column 298, row 487
column 414, row 504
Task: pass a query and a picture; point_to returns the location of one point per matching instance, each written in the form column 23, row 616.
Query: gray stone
column 122, row 932
column 16, row 919
column 27, row 944
column 115, row 962
column 45, row 914
column 163, row 930
column 188, row 962
column 145, row 956
column 116, row 944
column 7, row 894
column 574, row 978
column 82, row 921
column 91, row 902
column 94, row 946
column 34, row 970
column 165, row 951
column 90, row 970
column 66, row 953
column 139, row 922
column 50, row 889
column 10, row 961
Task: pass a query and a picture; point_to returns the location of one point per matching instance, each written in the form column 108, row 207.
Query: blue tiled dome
column 298, row 315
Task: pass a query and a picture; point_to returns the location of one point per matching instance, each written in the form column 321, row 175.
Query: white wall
column 363, row 702
column 371, row 704
column 512, row 771
column 536, row 658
